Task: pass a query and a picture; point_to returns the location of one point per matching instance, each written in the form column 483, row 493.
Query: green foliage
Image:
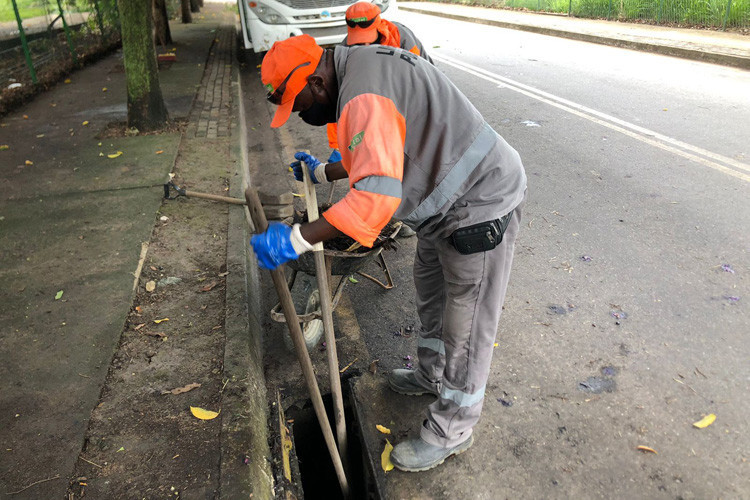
column 683, row 12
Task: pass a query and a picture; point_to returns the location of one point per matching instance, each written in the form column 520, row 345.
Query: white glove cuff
column 320, row 173
column 298, row 242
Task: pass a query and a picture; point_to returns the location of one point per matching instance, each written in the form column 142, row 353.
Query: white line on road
column 642, row 134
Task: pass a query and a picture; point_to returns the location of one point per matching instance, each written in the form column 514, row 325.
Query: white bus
column 267, row 21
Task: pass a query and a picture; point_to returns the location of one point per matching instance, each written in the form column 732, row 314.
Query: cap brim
column 293, row 87
column 358, row 36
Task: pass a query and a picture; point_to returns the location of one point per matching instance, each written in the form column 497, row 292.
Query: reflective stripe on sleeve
column 462, row 398
column 436, row 345
column 486, row 139
column 380, row 184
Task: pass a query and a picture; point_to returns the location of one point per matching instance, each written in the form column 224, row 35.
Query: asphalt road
column 631, row 273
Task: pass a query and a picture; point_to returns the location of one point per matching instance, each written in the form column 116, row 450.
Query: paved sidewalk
column 726, row 48
column 74, row 232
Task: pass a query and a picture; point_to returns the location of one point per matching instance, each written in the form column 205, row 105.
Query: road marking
column 687, row 151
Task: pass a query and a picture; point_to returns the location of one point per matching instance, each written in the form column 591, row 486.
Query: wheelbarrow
column 338, row 263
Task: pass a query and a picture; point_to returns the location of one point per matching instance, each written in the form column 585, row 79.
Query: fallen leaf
column 385, row 457
column 85, row 123
column 104, row 89
column 159, row 152
column 39, row 136
column 180, row 390
column 122, row 448
column 157, row 321
column 99, row 144
column 138, row 327
column 374, row 366
column 646, row 448
column 204, row 414
column 209, row 287
column 29, row 162
column 25, row 117
column 3, row 147
column 59, row 295
column 705, row 421
column 383, row 429
column 353, row 280
column 101, row 154
column 151, row 286
column 67, row 80
column 115, row 155
column 155, row 334
column 138, row 308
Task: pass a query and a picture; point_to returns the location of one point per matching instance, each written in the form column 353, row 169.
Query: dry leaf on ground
column 705, row 421
column 180, row 390
column 385, row 457
column 204, row 414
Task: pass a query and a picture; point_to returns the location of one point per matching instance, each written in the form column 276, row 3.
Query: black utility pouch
column 480, row 237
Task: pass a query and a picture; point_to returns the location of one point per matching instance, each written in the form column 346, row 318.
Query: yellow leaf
column 646, row 448
column 101, row 154
column 104, row 89
column 3, row 147
column 385, row 457
column 67, row 80
column 25, row 117
column 157, row 321
column 159, row 152
column 383, row 429
column 115, row 155
column 39, row 136
column 85, row 123
column 151, row 286
column 29, row 162
column 204, row 414
column 705, row 421
column 99, row 144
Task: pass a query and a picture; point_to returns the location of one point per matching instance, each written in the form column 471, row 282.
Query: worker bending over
column 414, row 148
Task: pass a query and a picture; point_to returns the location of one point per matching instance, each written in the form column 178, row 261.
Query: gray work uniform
column 457, row 171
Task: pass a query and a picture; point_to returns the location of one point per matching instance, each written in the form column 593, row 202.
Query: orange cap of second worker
column 289, row 62
column 366, row 18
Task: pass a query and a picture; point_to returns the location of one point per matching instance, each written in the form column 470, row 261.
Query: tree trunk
column 162, row 33
column 146, row 109
column 194, row 6
column 200, row 3
column 185, row 7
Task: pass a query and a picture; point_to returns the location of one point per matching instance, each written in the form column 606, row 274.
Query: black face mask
column 318, row 115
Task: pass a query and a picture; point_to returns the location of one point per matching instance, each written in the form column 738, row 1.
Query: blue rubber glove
column 335, row 156
column 311, row 162
column 274, row 247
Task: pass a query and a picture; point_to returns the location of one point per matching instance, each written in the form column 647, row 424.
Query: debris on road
column 204, row 414
column 705, row 421
column 385, row 457
column 183, row 389
column 648, row 449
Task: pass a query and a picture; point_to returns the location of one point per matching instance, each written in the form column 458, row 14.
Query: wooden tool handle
column 285, row 297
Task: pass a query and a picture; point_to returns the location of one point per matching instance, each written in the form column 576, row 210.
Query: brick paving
column 210, row 116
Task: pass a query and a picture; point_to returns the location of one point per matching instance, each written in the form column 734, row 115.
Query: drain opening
column 315, row 465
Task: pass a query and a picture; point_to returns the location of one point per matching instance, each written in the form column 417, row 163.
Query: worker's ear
column 317, row 86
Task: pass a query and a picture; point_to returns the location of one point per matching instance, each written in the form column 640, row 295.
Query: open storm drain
column 315, row 468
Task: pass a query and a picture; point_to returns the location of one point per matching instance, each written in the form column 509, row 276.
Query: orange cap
column 289, row 61
column 362, row 20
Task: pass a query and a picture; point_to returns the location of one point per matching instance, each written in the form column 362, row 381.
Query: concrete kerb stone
column 245, row 453
column 736, row 61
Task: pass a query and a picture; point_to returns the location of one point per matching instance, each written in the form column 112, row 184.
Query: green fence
column 722, row 14
column 42, row 39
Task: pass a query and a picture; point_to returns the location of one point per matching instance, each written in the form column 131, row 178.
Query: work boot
column 405, row 382
column 416, row 455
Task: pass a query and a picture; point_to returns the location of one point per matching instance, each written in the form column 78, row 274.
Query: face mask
column 318, row 114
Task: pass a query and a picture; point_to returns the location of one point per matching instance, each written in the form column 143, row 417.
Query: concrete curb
column 668, row 50
column 245, row 453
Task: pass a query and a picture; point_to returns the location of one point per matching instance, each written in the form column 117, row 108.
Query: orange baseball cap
column 362, row 20
column 288, row 62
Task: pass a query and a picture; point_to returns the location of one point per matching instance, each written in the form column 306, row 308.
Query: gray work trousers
column 459, row 301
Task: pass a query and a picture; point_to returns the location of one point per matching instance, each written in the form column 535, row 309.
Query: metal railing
column 42, row 39
column 722, row 14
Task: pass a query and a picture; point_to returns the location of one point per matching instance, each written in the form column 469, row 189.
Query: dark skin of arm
column 321, row 230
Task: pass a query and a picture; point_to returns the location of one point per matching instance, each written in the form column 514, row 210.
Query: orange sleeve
column 415, row 50
column 373, row 133
column 333, row 140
